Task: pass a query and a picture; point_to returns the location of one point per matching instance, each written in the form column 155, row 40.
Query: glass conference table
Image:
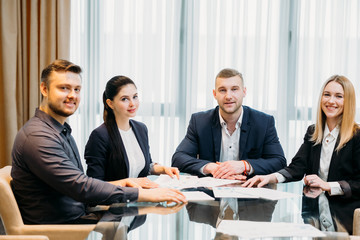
column 198, row 220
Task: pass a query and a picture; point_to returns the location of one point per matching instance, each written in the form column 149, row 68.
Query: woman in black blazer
column 329, row 158
column 119, row 148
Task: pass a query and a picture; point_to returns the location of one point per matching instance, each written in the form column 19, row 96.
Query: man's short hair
column 228, row 73
column 58, row 65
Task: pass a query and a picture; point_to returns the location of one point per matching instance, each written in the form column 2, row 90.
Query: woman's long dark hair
column 116, row 165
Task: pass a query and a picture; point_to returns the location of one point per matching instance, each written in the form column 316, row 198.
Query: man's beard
column 231, row 111
column 59, row 111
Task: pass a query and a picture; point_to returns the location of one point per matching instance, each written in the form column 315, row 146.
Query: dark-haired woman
column 119, row 148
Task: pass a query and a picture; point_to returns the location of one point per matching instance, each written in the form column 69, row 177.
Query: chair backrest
column 9, row 209
column 356, row 222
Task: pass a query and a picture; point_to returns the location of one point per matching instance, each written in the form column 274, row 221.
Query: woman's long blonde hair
column 347, row 124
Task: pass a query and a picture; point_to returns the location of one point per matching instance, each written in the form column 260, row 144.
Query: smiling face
column 126, row 103
column 61, row 97
column 332, row 102
column 229, row 93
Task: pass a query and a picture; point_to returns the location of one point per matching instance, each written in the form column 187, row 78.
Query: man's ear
column 214, row 93
column 110, row 103
column 44, row 89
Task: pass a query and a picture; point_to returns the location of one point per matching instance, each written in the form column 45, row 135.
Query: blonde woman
column 329, row 158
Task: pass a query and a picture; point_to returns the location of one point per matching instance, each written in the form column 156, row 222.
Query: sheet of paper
column 240, row 192
column 197, row 196
column 251, row 229
column 229, row 192
column 188, row 181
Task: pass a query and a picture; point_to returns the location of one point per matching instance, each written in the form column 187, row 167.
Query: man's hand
column 160, row 209
column 228, row 168
column 144, row 182
column 135, row 182
column 210, row 168
column 161, row 195
column 127, row 182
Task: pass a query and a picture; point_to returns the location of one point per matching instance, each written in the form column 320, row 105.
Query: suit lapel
column 139, row 137
column 126, row 160
column 216, row 132
column 316, row 159
column 245, row 130
column 335, row 159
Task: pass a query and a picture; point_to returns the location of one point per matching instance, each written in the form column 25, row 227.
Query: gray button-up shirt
column 48, row 179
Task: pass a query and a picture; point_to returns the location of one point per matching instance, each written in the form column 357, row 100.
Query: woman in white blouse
column 329, row 158
column 119, row 148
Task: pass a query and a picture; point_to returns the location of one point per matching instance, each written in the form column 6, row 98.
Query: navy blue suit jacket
column 97, row 153
column 259, row 143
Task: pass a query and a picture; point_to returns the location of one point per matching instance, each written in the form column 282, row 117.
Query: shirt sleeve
column 50, row 159
column 335, row 189
column 280, row 178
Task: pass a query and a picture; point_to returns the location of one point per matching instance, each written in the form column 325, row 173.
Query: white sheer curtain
column 173, row 50
column 138, row 39
column 327, row 36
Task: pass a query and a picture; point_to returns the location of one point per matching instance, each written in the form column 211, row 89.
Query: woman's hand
column 171, row 171
column 315, row 181
column 161, row 195
column 260, row 180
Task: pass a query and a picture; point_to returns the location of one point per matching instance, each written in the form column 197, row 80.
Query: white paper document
column 250, row 229
column 197, row 196
column 188, row 181
column 241, row 192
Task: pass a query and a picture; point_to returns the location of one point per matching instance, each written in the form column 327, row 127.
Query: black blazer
column 97, row 152
column 259, row 143
column 344, row 166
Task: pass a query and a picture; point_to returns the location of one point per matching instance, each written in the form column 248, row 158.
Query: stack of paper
column 241, row 192
column 187, row 181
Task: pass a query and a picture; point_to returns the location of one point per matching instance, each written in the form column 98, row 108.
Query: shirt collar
column 65, row 129
column 334, row 132
column 239, row 121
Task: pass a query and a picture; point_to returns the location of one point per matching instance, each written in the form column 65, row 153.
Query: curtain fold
column 33, row 34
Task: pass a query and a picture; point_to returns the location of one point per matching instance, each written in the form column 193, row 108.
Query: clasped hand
column 226, row 170
column 314, row 180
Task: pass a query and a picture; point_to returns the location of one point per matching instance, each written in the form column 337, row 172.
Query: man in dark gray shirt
column 48, row 179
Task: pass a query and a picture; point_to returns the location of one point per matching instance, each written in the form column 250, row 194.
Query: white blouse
column 134, row 153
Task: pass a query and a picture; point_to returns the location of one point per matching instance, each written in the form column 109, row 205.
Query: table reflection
column 119, row 219
column 198, row 220
column 231, row 209
column 328, row 213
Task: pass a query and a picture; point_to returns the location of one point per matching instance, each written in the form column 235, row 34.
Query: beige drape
column 33, row 34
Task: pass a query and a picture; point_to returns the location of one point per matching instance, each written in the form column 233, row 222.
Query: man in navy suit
column 231, row 141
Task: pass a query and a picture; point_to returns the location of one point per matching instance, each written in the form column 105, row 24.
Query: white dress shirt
column 230, row 143
column 133, row 151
